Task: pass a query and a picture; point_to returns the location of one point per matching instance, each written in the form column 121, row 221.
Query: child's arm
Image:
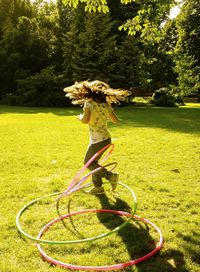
column 85, row 117
column 114, row 118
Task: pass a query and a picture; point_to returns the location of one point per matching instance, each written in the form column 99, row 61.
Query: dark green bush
column 164, row 97
column 42, row 89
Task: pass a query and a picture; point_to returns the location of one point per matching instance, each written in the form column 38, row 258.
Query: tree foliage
column 131, row 44
column 187, row 48
column 98, row 44
column 146, row 22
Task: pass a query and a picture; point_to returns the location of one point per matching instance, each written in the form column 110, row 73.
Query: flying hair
column 96, row 90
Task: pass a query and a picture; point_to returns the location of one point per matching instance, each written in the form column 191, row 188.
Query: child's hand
column 85, row 117
column 79, row 117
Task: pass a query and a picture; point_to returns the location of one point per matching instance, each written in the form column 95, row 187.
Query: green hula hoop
column 53, row 242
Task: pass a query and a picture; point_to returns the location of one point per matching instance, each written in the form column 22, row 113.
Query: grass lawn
column 158, row 155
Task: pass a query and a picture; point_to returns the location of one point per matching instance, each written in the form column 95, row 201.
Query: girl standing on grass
column 96, row 98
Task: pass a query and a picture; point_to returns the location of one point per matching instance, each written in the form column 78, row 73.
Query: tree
column 10, row 11
column 142, row 60
column 93, row 48
column 187, row 49
column 63, row 21
column 159, row 58
column 97, row 49
column 125, row 71
column 145, row 23
column 24, row 49
column 28, row 46
column 82, row 40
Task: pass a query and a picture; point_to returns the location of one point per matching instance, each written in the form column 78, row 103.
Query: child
column 97, row 97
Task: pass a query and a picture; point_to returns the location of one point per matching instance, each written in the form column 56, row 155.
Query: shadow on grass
column 191, row 245
column 34, row 110
column 184, row 119
column 138, row 241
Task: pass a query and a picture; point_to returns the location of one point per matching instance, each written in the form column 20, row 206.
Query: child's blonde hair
column 95, row 90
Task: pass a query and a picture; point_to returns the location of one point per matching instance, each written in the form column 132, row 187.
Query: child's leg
column 93, row 149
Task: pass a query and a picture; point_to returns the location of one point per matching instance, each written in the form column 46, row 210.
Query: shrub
column 164, row 97
column 42, row 89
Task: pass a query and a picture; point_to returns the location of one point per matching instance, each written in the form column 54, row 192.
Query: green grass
column 158, row 155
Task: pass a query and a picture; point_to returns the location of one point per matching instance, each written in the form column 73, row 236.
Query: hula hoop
column 109, row 267
column 72, row 241
column 77, row 185
column 75, row 180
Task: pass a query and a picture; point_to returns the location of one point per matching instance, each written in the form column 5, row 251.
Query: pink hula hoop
column 109, row 267
column 76, row 182
column 78, row 186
